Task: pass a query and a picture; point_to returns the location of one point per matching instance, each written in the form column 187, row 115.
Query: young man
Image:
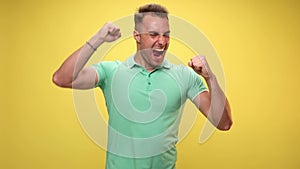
column 144, row 94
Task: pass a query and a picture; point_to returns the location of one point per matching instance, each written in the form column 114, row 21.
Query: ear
column 136, row 36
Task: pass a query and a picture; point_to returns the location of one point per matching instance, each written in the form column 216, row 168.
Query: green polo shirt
column 144, row 111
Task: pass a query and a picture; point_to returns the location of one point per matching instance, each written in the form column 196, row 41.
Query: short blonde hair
column 149, row 9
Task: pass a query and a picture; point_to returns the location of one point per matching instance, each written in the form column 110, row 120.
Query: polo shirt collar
column 130, row 63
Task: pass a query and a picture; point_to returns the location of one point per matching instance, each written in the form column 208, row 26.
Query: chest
column 144, row 90
column 159, row 88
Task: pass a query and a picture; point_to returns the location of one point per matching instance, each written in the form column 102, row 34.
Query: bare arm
column 213, row 104
column 73, row 73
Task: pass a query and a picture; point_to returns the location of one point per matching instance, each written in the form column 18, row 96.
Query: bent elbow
column 226, row 126
column 58, row 81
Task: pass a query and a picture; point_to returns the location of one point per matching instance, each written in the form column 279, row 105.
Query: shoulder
column 182, row 70
column 105, row 68
column 107, row 64
column 185, row 74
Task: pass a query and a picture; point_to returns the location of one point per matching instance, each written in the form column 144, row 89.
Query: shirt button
column 149, row 83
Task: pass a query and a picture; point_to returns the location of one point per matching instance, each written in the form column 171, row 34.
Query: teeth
column 159, row 50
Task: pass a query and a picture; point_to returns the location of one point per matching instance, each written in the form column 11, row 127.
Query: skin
column 214, row 104
column 73, row 73
column 152, row 33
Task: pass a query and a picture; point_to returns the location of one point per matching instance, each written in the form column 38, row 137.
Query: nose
column 162, row 39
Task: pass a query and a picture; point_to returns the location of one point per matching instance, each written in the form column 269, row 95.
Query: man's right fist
column 108, row 33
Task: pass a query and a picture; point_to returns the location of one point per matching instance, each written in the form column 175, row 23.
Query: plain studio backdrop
column 257, row 43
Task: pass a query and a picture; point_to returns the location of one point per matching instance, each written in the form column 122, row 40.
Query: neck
column 139, row 60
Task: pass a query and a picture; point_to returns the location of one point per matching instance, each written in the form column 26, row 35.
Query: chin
column 157, row 62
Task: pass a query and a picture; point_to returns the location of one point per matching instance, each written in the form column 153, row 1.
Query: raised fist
column 108, row 33
column 200, row 66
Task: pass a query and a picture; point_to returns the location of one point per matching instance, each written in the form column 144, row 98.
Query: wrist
column 210, row 79
column 211, row 76
column 91, row 46
column 95, row 41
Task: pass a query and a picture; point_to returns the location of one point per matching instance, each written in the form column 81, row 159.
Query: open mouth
column 158, row 52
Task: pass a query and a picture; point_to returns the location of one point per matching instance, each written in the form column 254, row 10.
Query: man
column 144, row 95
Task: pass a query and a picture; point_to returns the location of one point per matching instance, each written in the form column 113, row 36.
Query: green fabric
column 144, row 111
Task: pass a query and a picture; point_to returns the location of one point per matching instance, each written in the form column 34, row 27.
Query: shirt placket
column 148, row 82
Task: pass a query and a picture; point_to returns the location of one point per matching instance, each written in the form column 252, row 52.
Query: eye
column 167, row 35
column 153, row 34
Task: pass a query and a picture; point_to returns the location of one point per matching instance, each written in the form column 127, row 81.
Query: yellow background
column 257, row 42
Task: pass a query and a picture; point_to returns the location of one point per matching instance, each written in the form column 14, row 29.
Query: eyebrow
column 159, row 33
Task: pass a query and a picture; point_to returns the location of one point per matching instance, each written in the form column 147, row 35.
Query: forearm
column 219, row 112
column 69, row 70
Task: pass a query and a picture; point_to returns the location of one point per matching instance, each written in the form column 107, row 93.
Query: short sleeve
column 195, row 84
column 104, row 70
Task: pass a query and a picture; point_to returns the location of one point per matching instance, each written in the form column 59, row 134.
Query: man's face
column 153, row 40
